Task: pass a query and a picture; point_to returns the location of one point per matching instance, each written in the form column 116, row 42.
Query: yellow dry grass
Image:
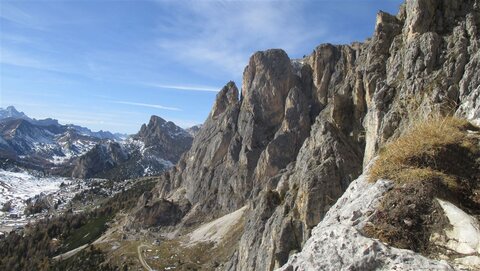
column 428, row 151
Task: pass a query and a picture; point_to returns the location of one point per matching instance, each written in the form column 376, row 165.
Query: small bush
column 7, row 206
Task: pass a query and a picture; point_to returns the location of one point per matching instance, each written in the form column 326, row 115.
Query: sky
column 110, row 65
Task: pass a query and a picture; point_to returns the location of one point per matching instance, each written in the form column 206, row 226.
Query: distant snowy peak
column 41, row 146
column 100, row 134
column 11, row 112
column 193, row 131
column 76, row 150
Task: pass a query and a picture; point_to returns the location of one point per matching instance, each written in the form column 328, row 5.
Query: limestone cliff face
column 302, row 130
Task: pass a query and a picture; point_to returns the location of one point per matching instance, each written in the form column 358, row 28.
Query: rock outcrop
column 101, row 158
column 302, row 130
column 337, row 243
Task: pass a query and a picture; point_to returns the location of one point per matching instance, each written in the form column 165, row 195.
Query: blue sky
column 111, row 64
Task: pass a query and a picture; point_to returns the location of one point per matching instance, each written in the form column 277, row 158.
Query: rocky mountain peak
column 156, row 121
column 155, row 148
column 158, row 127
column 422, row 16
column 193, row 131
column 169, row 139
column 266, row 81
column 11, row 112
column 228, row 96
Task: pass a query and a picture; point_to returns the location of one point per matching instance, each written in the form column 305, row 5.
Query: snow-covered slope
column 71, row 150
column 42, row 145
column 17, row 187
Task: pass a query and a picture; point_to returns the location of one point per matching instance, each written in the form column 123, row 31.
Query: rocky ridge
column 299, row 132
column 154, row 149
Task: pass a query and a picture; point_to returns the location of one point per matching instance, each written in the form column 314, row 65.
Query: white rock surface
column 463, row 237
column 337, row 243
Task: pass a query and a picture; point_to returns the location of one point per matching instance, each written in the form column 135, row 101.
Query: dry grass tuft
column 435, row 149
column 437, row 158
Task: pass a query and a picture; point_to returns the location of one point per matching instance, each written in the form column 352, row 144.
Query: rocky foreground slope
column 289, row 144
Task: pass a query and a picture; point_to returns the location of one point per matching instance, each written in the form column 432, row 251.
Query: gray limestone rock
column 337, row 242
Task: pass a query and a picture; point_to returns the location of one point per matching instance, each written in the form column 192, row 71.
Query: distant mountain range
column 156, row 147
column 12, row 113
column 72, row 150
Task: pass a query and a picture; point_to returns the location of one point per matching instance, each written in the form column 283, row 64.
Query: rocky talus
column 289, row 144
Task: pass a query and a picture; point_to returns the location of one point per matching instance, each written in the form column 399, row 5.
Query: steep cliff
column 303, row 130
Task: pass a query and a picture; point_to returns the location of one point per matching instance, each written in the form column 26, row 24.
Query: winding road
column 140, row 257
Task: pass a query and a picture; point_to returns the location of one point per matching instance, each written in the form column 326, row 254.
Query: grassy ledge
column 436, row 158
column 435, row 149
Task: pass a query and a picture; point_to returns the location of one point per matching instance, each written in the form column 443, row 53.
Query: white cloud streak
column 189, row 88
column 14, row 58
column 148, row 105
column 20, row 17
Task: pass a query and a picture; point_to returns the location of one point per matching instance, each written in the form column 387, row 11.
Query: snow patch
column 20, row 186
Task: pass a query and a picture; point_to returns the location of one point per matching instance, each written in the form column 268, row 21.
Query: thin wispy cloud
column 11, row 57
column 20, row 17
column 186, row 87
column 224, row 40
column 148, row 105
column 16, row 39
